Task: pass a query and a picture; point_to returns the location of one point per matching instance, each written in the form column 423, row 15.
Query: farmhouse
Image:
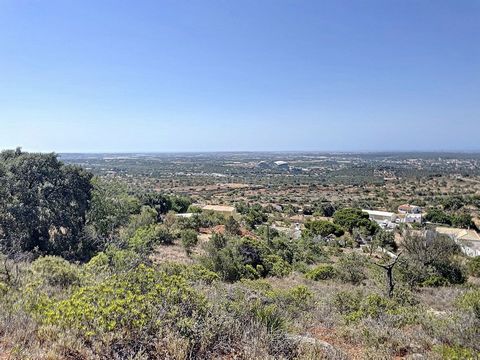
column 469, row 240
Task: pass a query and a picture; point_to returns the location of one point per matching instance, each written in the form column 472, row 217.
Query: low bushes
column 140, row 301
column 321, row 272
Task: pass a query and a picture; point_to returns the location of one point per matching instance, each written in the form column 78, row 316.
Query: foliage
column 385, row 239
column 351, row 218
column 470, row 301
column 234, row 259
column 474, row 266
column 189, row 240
column 430, row 261
column 43, row 204
column 111, row 207
column 56, row 271
column 232, row 227
column 321, row 272
column 322, row 228
column 255, row 216
column 351, row 268
column 459, row 219
column 438, row 216
column 456, row 352
column 140, row 301
column 463, row 220
column 146, row 237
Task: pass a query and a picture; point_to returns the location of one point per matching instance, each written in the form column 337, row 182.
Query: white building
column 412, row 218
column 386, row 220
column 469, row 240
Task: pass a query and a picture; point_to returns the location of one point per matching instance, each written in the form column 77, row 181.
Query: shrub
column 321, row 272
column 346, row 302
column 145, row 238
column 474, row 266
column 138, row 302
column 113, row 260
column 438, row 216
column 470, row 301
column 276, row 266
column 456, row 352
column 56, row 271
column 351, row 268
column 189, row 240
column 193, row 273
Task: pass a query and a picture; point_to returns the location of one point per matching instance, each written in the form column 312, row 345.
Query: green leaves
column 43, row 204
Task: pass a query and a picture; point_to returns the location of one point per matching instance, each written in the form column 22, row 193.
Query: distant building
column 264, row 165
column 409, row 209
column 386, row 220
column 184, row 215
column 412, row 218
column 282, row 165
column 468, row 240
column 380, row 216
column 224, row 209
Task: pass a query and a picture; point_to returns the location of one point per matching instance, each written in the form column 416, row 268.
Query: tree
column 189, row 240
column 255, row 216
column 350, row 218
column 111, row 207
column 389, row 274
column 438, row 216
column 430, row 260
column 232, row 227
column 463, row 220
column 322, row 228
column 385, row 239
column 43, row 205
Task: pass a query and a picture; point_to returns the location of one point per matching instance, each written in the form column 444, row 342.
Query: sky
column 248, row 75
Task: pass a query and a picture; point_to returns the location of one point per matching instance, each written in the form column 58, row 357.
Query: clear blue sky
column 113, row 75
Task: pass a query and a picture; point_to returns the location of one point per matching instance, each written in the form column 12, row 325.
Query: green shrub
column 189, row 240
column 455, row 352
column 136, row 302
column 322, row 228
column 351, row 268
column 192, row 273
column 474, row 266
column 346, row 302
column 276, row 266
column 56, row 271
column 470, row 301
column 434, row 281
column 321, row 272
column 113, row 260
column 145, row 238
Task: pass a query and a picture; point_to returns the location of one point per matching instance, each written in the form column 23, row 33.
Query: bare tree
column 389, row 274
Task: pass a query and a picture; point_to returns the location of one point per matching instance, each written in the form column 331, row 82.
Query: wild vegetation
column 96, row 266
